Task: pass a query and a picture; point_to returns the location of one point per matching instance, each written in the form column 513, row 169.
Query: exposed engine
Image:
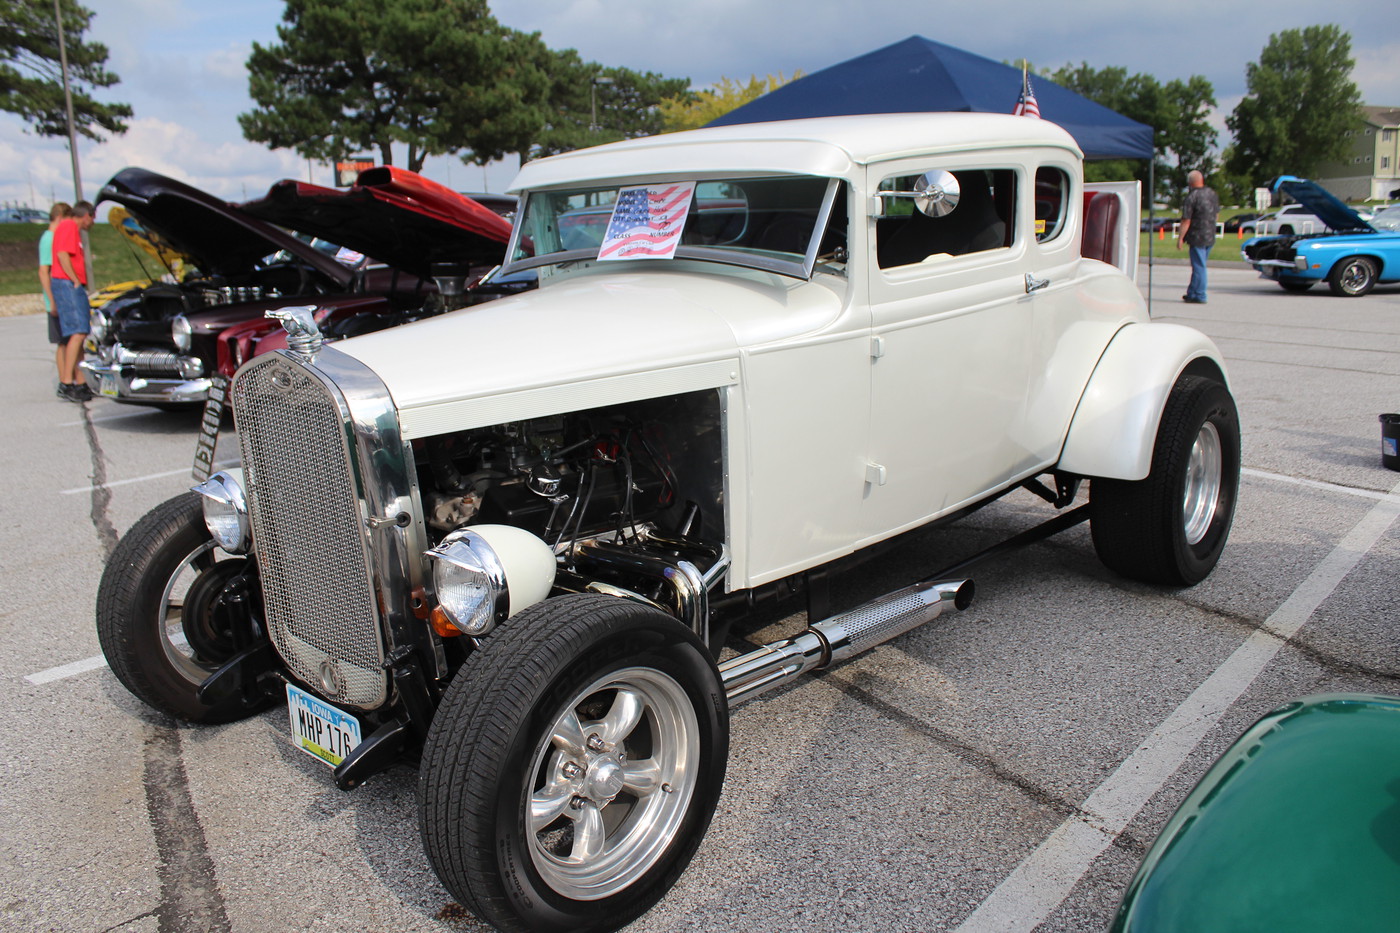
column 656, row 462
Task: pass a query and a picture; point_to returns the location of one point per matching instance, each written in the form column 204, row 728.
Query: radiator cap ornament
column 303, row 334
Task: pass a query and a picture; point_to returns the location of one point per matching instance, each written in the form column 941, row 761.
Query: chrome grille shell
column 329, row 480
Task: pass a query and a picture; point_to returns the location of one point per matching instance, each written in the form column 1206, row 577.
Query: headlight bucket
column 182, row 332
column 471, row 568
column 226, row 512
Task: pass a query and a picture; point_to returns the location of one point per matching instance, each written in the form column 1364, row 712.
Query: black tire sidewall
column 644, row 638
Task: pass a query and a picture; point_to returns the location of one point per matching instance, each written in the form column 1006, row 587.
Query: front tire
column 157, row 621
column 1297, row 286
column 1170, row 528
column 574, row 765
column 1352, row 277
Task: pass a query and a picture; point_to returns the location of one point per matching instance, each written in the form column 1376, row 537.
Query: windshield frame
column 746, row 259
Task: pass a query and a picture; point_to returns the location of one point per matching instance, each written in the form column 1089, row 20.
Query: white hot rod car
column 504, row 544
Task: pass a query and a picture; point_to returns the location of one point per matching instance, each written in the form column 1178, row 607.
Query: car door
column 952, row 339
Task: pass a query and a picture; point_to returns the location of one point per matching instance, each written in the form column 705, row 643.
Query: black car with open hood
column 363, row 257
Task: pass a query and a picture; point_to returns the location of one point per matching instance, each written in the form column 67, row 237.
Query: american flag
column 1025, row 104
column 647, row 221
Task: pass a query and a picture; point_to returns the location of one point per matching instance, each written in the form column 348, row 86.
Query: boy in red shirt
column 68, row 283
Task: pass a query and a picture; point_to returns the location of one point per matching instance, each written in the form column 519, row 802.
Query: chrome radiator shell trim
column 328, row 476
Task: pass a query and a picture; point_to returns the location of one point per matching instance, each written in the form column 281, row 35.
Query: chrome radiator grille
column 311, row 549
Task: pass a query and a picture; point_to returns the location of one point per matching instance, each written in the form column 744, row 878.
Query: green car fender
column 1295, row 828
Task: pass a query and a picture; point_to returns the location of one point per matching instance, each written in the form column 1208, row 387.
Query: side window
column 981, row 219
column 1051, row 202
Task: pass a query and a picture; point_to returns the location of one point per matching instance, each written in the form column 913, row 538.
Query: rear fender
column 1115, row 426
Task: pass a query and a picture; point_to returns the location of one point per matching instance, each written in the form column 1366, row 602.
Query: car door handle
column 1034, row 284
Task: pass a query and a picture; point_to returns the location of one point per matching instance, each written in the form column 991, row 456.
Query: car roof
column 826, row 146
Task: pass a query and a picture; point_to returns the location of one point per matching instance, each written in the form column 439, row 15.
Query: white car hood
column 595, row 338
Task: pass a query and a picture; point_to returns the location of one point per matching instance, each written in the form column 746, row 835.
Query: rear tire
column 1352, row 277
column 573, row 766
column 1171, row 527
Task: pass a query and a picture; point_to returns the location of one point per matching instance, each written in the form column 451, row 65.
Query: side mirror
column 935, row 194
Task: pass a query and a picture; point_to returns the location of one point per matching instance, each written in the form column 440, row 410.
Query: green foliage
column 438, row 76
column 1300, row 104
column 689, row 110
column 113, row 259
column 1178, row 112
column 31, row 79
column 590, row 104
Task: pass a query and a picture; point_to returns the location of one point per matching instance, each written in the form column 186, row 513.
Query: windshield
column 783, row 225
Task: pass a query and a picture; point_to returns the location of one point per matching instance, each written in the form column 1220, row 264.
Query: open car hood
column 1330, row 209
column 147, row 241
column 221, row 239
column 392, row 215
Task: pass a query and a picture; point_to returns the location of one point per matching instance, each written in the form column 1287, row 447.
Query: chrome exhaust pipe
column 840, row 637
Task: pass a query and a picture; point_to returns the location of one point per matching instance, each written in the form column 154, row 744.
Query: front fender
column 1115, row 426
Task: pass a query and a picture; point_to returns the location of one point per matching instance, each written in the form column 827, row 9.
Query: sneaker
column 74, row 392
column 1193, row 301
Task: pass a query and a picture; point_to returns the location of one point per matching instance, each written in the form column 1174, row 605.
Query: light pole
column 593, row 100
column 68, row 103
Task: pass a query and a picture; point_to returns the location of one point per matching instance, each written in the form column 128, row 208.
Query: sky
column 181, row 64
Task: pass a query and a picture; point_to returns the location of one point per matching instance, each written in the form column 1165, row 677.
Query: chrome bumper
column 121, row 375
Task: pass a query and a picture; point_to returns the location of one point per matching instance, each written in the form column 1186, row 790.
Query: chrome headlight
column 226, row 512
column 470, row 569
column 182, row 332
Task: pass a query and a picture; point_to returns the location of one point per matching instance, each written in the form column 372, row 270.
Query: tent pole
column 1151, row 200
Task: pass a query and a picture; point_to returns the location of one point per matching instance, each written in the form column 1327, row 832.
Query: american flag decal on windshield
column 647, row 221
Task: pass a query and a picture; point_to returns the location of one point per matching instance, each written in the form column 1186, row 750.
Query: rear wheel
column 1352, row 277
column 1171, row 527
column 574, row 765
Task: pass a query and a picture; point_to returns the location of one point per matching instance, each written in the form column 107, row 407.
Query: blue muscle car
column 1352, row 256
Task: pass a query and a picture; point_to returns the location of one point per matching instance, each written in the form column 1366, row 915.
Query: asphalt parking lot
column 1000, row 769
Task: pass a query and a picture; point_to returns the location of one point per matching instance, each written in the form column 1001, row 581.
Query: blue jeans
column 1197, row 289
column 70, row 300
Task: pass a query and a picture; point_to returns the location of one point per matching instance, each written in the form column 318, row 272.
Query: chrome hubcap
column 1204, row 479
column 177, row 648
column 611, row 783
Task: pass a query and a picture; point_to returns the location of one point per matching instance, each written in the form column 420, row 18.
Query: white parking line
column 130, row 414
column 139, row 479
column 67, row 670
column 1318, row 484
column 1027, row 896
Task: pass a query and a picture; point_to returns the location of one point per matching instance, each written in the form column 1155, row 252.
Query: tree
column 1301, row 103
column 438, row 76
column 1178, row 113
column 693, row 109
column 590, row 104
column 31, row 80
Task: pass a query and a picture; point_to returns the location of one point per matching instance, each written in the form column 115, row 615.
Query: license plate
column 107, row 385
column 320, row 729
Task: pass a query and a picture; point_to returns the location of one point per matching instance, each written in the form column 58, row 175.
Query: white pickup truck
column 504, row 544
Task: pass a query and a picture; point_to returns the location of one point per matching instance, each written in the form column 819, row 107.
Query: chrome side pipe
column 840, row 637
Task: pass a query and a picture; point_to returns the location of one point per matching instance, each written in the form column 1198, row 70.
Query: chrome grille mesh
column 318, row 598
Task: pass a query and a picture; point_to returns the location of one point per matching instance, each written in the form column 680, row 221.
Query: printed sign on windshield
column 647, row 221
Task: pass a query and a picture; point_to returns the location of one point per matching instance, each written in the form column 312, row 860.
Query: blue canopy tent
column 918, row 75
